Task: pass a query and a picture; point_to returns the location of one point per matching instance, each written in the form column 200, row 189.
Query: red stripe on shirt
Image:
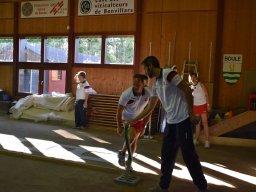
column 130, row 101
column 171, row 75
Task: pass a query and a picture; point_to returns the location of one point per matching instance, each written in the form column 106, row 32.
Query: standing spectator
column 201, row 106
column 176, row 98
column 132, row 101
column 81, row 100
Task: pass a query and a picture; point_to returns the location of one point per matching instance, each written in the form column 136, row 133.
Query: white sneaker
column 195, row 141
column 207, row 144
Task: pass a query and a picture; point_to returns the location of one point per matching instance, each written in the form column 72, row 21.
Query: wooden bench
column 102, row 111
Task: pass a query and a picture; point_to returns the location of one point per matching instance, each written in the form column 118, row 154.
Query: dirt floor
column 46, row 163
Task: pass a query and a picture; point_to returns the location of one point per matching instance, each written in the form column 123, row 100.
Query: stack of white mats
column 44, row 107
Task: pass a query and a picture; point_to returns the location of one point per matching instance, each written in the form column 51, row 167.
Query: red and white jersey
column 82, row 89
column 133, row 104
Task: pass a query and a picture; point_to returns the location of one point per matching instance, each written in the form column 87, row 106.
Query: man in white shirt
column 176, row 98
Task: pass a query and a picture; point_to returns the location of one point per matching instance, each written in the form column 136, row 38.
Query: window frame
column 75, row 48
column 103, row 40
column 44, row 47
column 70, row 65
column 18, row 84
column 42, row 65
column 20, row 38
column 13, row 40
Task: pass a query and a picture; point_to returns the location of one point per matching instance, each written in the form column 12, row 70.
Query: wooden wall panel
column 149, row 6
column 6, row 18
column 150, row 36
column 238, row 38
column 171, row 33
column 251, row 66
column 188, row 5
column 105, row 23
column 106, row 81
column 6, row 76
column 6, row 10
column 6, row 26
column 43, row 25
column 183, row 30
column 99, row 24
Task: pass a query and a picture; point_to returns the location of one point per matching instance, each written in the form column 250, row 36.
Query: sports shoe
column 207, row 144
column 195, row 141
column 121, row 158
column 83, row 127
column 158, row 189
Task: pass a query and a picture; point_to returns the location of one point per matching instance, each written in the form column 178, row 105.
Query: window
column 6, row 49
column 56, row 75
column 56, row 50
column 30, row 49
column 54, row 81
column 88, row 50
column 59, row 75
column 46, row 55
column 42, row 77
column 28, row 81
column 119, row 50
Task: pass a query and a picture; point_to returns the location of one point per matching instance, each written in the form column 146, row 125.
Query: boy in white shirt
column 81, row 100
column 131, row 103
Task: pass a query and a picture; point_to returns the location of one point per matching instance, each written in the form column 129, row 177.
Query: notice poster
column 53, row 8
column 105, row 7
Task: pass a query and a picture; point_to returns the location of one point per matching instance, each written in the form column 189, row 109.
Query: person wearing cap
column 81, row 100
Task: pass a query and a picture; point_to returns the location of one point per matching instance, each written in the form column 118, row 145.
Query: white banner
column 52, row 8
column 105, row 7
